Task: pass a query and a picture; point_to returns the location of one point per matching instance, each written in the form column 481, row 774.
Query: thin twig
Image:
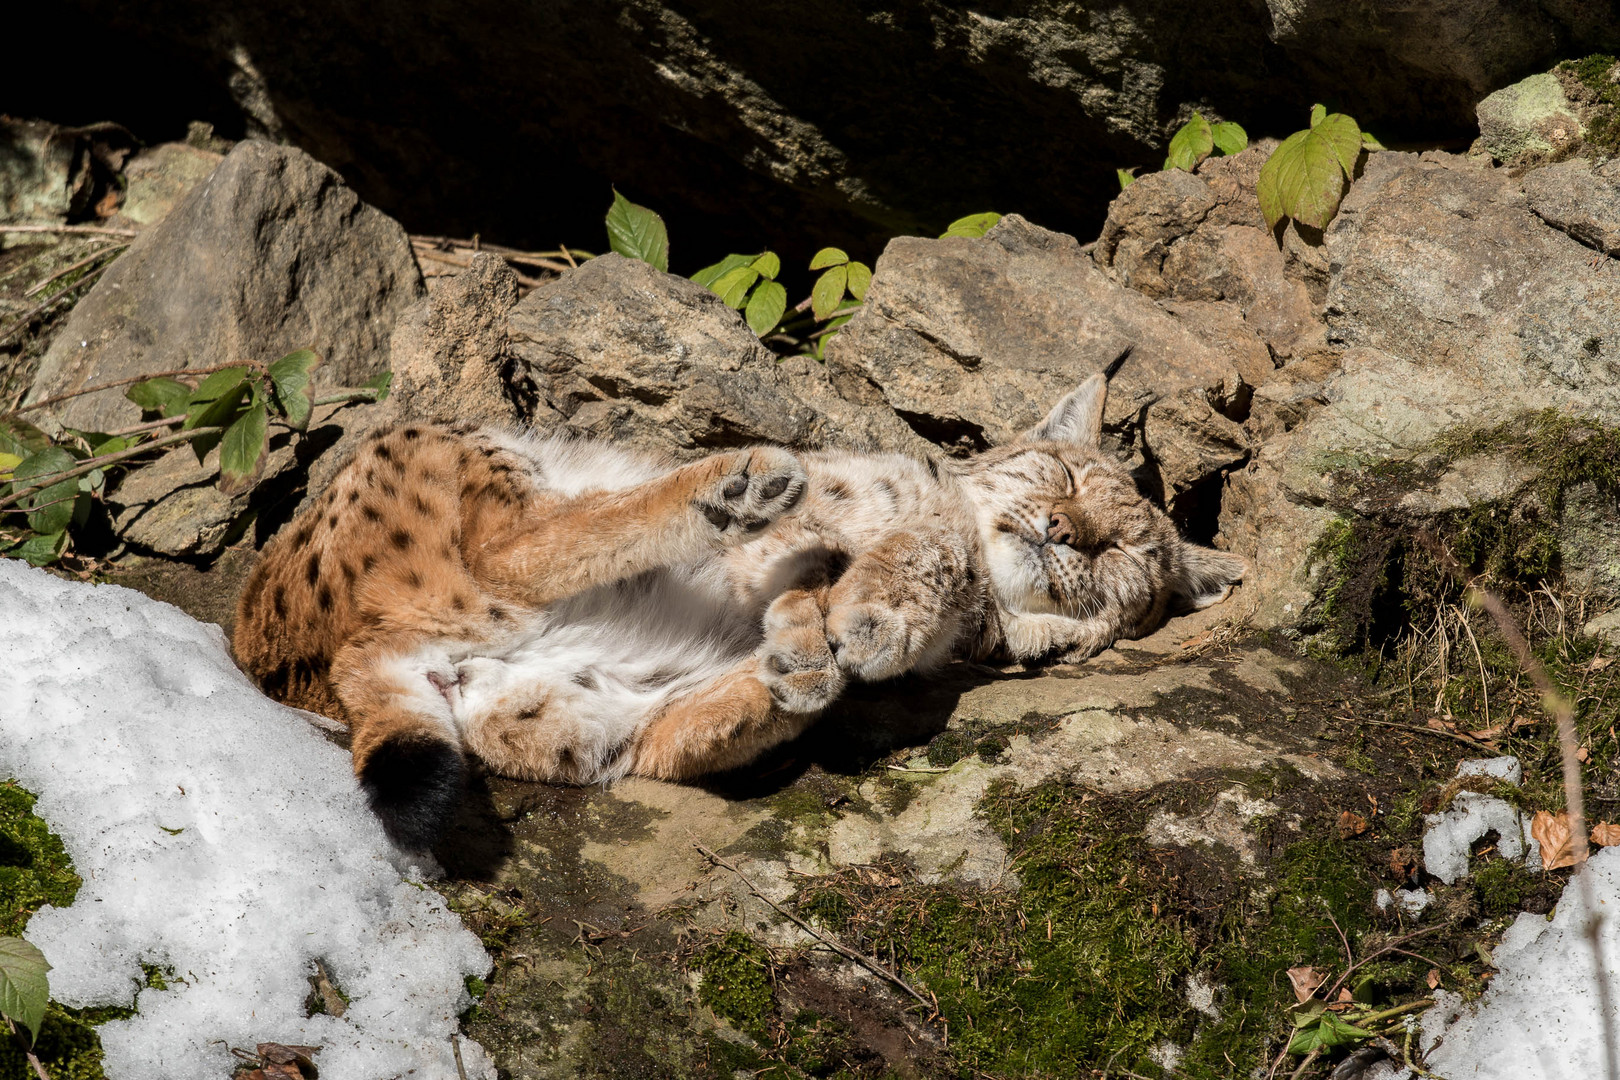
column 1477, row 744
column 116, row 383
column 1310, row 1059
column 455, row 1048
column 77, row 230
column 1391, row 947
column 568, row 255
column 39, row 1067
column 833, row 943
column 523, row 279
column 50, row 302
column 94, row 256
column 91, row 464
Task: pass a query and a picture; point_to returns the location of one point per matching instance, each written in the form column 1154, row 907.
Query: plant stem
column 116, row 383
column 91, row 464
column 77, row 230
column 346, row 395
column 95, row 256
column 1380, row 1017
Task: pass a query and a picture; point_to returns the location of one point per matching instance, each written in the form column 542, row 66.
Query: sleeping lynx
column 573, row 611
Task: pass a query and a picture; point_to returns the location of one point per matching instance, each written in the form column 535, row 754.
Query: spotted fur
column 573, row 611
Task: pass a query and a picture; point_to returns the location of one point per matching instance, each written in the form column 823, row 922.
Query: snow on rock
column 1540, row 1018
column 1449, row 835
column 218, row 834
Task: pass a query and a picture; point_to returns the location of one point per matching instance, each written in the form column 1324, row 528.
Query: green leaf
column 972, row 226
column 164, row 396
column 42, row 550
column 1190, row 145
column 1306, row 176
column 828, row 257
column 638, row 233
column 115, row 445
column 222, row 413
column 380, row 382
column 48, row 518
column 1126, row 179
column 733, row 285
column 24, row 990
column 217, row 386
column 18, row 436
column 828, row 291
column 1318, row 113
column 1326, row 1032
column 93, row 481
column 1369, row 142
column 766, row 306
column 242, row 451
column 768, row 265
column 9, row 462
column 1229, row 138
column 290, row 376
column 707, row 276
column 860, row 276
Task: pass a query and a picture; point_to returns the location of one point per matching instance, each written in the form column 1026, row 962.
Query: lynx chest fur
column 573, row 611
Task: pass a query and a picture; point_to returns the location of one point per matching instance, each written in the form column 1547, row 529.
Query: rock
column 174, row 507
column 448, row 351
column 50, row 173
column 971, row 341
column 157, row 178
column 1192, row 442
column 1531, row 117
column 1589, row 540
column 1575, row 198
column 1606, row 625
column 272, row 253
column 618, row 350
column 705, row 108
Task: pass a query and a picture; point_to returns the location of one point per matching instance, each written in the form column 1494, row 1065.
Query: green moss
column 737, row 982
column 35, row 871
column 1502, row 887
column 1594, row 72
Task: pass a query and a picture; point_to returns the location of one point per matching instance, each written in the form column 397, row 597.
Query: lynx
column 574, row 611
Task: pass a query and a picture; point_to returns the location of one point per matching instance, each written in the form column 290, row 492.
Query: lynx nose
column 1060, row 529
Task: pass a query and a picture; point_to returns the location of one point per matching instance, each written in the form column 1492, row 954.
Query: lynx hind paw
column 868, row 640
column 800, row 674
column 414, row 784
column 754, row 488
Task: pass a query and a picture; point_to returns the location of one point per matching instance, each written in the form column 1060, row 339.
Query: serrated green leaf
column 1318, row 113
column 1369, row 142
column 295, row 397
column 55, row 503
column 1229, row 138
column 221, row 413
column 1344, row 134
column 164, row 396
column 766, row 306
column 972, row 226
column 707, row 276
column 733, row 285
column 380, row 382
column 42, row 550
column 242, row 451
column 1306, row 176
column 24, row 990
column 637, row 233
column 1126, row 178
column 1326, row 1032
column 826, row 257
column 218, row 385
column 828, row 291
column 18, row 436
column 860, row 276
column 1190, row 145
column 768, row 265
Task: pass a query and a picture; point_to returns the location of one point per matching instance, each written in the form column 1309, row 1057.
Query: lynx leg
column 602, row 537
column 726, row 724
column 901, row 604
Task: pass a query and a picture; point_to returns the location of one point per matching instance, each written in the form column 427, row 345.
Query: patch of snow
column 1226, row 821
column 1167, row 1055
column 1413, row 901
column 1201, row 996
column 218, row 834
column 1382, row 899
column 1540, row 1018
column 1502, row 768
column 1470, row 816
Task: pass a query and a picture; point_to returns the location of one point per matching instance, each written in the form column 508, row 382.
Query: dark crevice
column 957, row 437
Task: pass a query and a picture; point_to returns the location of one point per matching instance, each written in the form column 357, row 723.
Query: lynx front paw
column 868, row 640
column 801, row 677
column 753, row 489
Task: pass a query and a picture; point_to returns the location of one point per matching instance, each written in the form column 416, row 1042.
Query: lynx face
column 1066, row 532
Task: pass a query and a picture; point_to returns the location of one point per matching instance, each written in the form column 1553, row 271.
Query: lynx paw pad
column 757, row 487
column 868, row 641
column 801, row 676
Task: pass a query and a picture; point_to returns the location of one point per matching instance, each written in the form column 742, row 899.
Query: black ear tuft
column 414, row 783
column 1203, row 576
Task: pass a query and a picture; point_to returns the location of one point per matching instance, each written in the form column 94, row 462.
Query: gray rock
column 1575, row 198
column 271, row 253
column 157, row 178
column 50, row 173
column 448, row 352
column 173, row 506
column 1533, row 116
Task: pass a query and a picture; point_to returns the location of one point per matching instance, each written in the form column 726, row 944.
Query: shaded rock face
column 273, row 252
column 477, row 106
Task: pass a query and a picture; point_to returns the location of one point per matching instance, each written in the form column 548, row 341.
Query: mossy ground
column 1591, row 81
column 35, row 871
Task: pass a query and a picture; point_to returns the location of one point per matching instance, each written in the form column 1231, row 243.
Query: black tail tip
column 414, row 784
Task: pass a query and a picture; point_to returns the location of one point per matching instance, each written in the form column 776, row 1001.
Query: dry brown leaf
column 1305, row 981
column 1553, row 834
column 1402, row 861
column 1605, row 835
column 1196, row 640
column 1598, row 663
column 1351, row 824
column 1433, row 978
column 1583, row 755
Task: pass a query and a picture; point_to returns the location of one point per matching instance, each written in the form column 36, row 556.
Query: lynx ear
column 1203, row 576
column 1075, row 419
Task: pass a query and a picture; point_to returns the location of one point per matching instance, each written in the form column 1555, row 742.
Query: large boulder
column 272, row 253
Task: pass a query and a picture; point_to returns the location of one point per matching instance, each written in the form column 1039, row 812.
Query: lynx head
column 1065, row 531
